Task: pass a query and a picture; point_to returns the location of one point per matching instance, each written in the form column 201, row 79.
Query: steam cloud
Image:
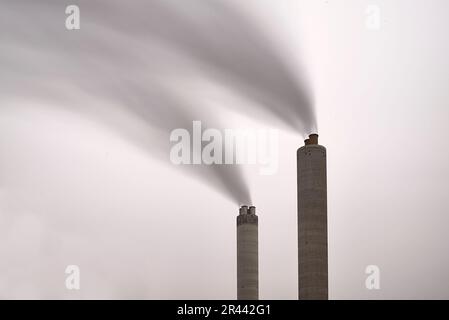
column 124, row 52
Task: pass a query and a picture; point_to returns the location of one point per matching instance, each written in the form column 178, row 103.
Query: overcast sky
column 84, row 173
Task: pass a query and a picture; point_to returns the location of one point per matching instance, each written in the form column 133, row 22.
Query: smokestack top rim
column 243, row 210
column 252, row 210
column 311, row 140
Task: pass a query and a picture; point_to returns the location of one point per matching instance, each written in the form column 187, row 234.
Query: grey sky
column 80, row 183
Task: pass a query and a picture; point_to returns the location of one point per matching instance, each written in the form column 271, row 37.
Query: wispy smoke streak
column 125, row 50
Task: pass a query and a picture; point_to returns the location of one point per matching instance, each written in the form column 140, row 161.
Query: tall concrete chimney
column 247, row 254
column 312, row 221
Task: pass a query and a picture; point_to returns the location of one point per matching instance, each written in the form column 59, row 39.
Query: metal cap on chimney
column 243, row 210
column 313, row 138
column 252, row 210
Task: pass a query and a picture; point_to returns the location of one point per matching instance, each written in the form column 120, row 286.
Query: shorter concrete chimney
column 247, row 254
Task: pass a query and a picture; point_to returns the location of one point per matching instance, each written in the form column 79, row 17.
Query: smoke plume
column 124, row 51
